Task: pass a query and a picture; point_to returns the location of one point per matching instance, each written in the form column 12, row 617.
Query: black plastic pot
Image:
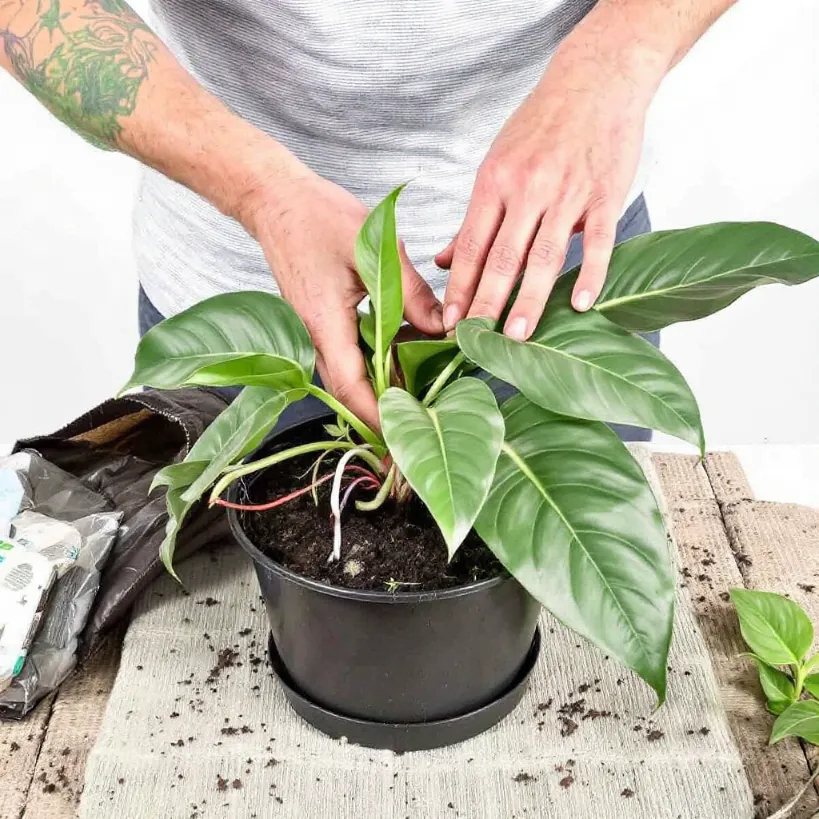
column 403, row 670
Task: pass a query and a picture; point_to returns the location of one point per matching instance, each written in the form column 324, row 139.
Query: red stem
column 361, row 470
column 264, row 507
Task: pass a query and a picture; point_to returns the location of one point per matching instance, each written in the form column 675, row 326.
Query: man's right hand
column 159, row 113
column 307, row 227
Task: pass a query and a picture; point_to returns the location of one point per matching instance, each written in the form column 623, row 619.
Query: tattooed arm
column 103, row 72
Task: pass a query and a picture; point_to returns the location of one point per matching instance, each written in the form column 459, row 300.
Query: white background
column 735, row 130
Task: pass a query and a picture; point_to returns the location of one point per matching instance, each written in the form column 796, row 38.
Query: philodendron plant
column 546, row 484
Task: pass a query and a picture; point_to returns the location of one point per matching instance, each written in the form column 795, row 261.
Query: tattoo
column 85, row 60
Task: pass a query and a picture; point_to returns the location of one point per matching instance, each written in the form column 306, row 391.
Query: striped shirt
column 367, row 93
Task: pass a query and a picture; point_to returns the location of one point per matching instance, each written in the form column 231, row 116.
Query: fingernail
column 517, row 329
column 450, row 316
column 583, row 300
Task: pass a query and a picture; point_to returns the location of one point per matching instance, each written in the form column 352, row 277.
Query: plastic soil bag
column 25, row 581
column 56, row 545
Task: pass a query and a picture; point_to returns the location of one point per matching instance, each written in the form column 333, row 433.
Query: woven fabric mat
column 196, row 724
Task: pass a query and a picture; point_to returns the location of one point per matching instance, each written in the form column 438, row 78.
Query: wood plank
column 709, row 569
column 20, row 744
column 70, row 735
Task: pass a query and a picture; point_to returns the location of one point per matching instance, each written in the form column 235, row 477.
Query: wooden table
column 726, row 537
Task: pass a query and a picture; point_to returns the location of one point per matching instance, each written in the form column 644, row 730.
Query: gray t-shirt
column 368, row 93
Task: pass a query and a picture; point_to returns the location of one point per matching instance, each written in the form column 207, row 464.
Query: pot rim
column 361, row 595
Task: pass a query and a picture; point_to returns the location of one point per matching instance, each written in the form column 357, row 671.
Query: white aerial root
column 335, row 500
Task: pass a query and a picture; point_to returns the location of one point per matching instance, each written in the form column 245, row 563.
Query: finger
column 342, row 368
column 444, row 258
column 504, row 263
column 543, row 266
column 421, row 308
column 599, row 231
column 471, row 249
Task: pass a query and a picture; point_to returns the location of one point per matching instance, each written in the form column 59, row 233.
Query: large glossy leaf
column 447, row 451
column 234, row 433
column 423, row 360
column 379, row 266
column 800, row 720
column 571, row 516
column 679, row 275
column 775, row 628
column 233, row 339
column 583, row 365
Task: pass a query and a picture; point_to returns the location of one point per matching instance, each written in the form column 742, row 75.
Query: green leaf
column 811, row 664
column 379, row 266
column 778, row 706
column 177, row 512
column 366, row 326
column 582, row 365
column 179, row 475
column 422, row 361
column 571, row 516
column 775, row 628
column 776, row 685
column 447, row 451
column 811, row 684
column 679, row 275
column 177, row 478
column 232, row 339
column 800, row 720
column 236, row 432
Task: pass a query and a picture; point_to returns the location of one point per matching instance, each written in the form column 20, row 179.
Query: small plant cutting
column 549, row 489
column 780, row 636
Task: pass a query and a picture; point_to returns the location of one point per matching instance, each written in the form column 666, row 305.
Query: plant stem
column 359, row 426
column 440, row 381
column 383, row 493
column 388, row 369
column 373, row 460
column 798, row 681
column 246, row 469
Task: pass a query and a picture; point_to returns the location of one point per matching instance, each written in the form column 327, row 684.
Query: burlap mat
column 196, row 727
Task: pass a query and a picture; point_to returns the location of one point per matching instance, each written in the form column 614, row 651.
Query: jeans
column 635, row 222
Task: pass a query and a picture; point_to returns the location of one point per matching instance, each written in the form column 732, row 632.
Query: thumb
column 343, row 371
column 421, row 308
column 444, row 258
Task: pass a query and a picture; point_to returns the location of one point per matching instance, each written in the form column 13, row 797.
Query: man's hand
column 564, row 162
column 308, row 227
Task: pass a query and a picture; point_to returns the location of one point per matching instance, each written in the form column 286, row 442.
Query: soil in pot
column 395, row 547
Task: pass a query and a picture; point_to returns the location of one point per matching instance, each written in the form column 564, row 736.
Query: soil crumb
column 524, row 777
column 396, row 548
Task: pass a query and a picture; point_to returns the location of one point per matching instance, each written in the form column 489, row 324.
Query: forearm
column 99, row 68
column 637, row 40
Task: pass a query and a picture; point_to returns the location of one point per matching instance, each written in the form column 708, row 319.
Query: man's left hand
column 563, row 163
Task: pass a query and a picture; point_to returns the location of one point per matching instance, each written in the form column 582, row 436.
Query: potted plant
column 403, row 569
